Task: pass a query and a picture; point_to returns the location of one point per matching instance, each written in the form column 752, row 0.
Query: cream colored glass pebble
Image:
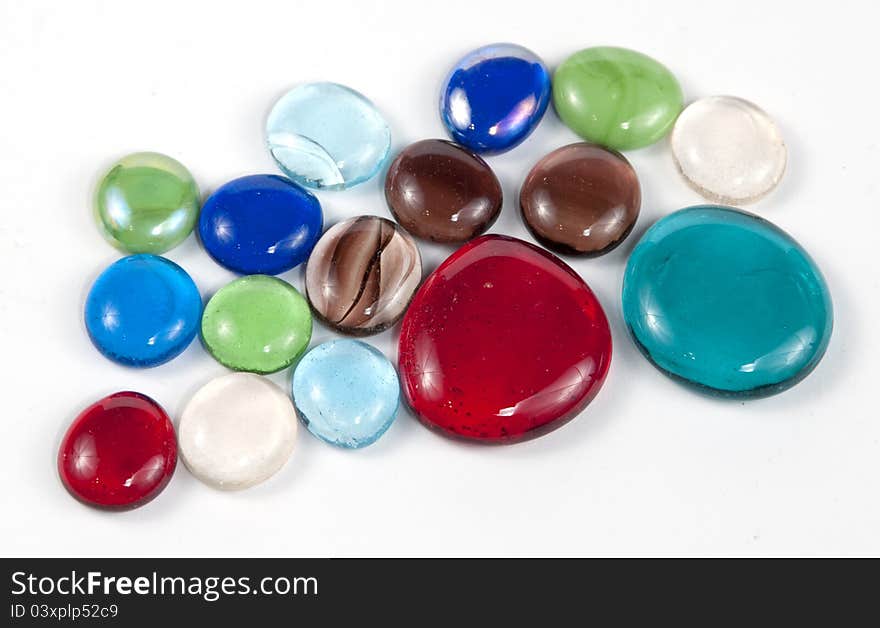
column 237, row 431
column 728, row 149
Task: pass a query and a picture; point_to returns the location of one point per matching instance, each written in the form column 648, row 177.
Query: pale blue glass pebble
column 346, row 393
column 325, row 135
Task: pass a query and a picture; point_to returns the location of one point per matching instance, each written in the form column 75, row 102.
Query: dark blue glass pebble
column 260, row 224
column 495, row 97
column 143, row 310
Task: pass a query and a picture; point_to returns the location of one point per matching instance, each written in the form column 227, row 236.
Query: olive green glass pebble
column 147, row 203
column 257, row 323
column 616, row 97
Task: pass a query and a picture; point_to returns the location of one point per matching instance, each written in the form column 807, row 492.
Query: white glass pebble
column 237, row 431
column 728, row 149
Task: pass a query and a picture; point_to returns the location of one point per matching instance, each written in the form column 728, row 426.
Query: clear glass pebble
column 728, row 149
column 237, row 430
column 325, row 135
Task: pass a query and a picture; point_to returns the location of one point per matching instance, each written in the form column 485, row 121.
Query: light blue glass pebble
column 726, row 301
column 325, row 135
column 346, row 393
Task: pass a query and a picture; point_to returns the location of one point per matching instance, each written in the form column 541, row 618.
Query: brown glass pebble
column 581, row 199
column 362, row 274
column 443, row 192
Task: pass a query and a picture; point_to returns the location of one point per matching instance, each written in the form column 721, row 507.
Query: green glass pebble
column 257, row 323
column 147, row 203
column 616, row 97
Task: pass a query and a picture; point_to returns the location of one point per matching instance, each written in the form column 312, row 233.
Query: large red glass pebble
column 119, row 453
column 503, row 342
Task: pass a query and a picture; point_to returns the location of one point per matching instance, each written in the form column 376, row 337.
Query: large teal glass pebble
column 726, row 301
column 325, row 135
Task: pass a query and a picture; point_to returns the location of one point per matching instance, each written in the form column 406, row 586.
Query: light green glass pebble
column 616, row 97
column 147, row 203
column 257, row 323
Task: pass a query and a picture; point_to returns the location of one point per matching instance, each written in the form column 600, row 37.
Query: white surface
column 649, row 468
column 237, row 430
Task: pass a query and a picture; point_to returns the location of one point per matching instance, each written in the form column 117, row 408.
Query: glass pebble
column 237, row 431
column 362, row 275
column 581, row 199
column 260, row 224
column 726, row 301
column 143, row 310
column 119, row 453
column 728, row 150
column 146, row 203
column 616, row 97
column 325, row 135
column 346, row 393
column 257, row 323
column 503, row 342
column 494, row 97
column 443, row 192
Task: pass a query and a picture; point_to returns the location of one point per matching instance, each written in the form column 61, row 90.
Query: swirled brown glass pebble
column 581, row 199
column 362, row 275
column 442, row 192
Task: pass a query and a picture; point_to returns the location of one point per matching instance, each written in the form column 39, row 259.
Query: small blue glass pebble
column 325, row 135
column 495, row 97
column 143, row 310
column 346, row 393
column 726, row 301
column 260, row 224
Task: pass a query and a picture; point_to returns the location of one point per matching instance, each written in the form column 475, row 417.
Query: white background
column 649, row 468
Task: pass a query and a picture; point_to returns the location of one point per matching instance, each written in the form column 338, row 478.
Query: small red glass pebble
column 119, row 453
column 503, row 342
